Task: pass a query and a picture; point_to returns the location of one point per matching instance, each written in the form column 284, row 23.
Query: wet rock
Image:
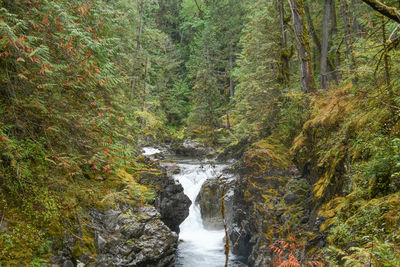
column 133, row 238
column 171, row 201
column 191, row 149
column 124, row 236
column 261, row 253
column 68, row 263
column 172, row 169
column 268, row 196
column 209, row 199
column 64, row 256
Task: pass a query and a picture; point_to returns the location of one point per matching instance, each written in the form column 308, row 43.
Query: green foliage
column 177, row 103
column 68, row 121
column 263, row 102
column 207, row 100
column 70, row 118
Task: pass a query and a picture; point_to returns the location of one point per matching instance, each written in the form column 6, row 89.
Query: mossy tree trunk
column 286, row 53
column 304, row 52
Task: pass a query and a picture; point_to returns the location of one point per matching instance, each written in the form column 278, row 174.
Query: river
column 198, row 247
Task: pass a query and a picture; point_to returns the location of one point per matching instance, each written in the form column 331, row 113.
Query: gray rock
column 192, row 149
column 209, row 199
column 68, row 263
column 136, row 239
column 172, row 169
column 171, row 201
column 123, row 237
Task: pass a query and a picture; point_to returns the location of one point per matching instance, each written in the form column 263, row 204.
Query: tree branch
column 388, row 11
column 199, row 8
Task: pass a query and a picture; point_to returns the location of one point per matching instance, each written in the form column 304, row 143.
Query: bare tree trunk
column 306, row 76
column 317, row 41
column 385, row 57
column 231, row 92
column 335, row 74
column 325, row 44
column 348, row 37
column 145, row 84
column 139, row 37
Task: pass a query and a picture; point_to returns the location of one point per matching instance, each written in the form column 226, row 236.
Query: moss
column 264, row 157
column 329, row 210
column 85, row 244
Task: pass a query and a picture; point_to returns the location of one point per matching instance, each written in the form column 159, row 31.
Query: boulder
column 133, row 239
column 123, row 236
column 191, row 148
column 172, row 169
column 209, row 199
column 171, row 201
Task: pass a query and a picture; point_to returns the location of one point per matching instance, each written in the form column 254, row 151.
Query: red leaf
column 44, row 21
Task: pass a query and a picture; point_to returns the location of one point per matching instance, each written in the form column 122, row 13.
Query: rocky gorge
column 264, row 198
column 130, row 235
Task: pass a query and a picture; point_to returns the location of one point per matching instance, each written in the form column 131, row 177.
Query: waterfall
column 198, row 247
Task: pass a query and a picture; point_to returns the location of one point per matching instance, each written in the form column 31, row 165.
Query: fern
column 286, row 254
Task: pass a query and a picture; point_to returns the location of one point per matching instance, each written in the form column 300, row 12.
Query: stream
column 197, row 245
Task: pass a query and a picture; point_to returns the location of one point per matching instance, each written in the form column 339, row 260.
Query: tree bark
column 385, row 57
column 317, row 41
column 348, row 37
column 306, row 76
column 335, row 74
column 285, row 54
column 231, row 92
column 199, row 8
column 314, row 35
column 325, row 44
column 139, row 37
column 388, row 11
column 145, row 84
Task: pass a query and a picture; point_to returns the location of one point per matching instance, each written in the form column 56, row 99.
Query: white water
column 148, row 151
column 199, row 247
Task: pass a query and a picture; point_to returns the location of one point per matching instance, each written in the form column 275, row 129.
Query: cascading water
column 148, row 151
column 198, row 246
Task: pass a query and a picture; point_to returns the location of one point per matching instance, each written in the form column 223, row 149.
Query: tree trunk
column 139, row 37
column 285, row 54
column 310, row 23
column 199, row 8
column 231, row 92
column 317, row 41
column 325, row 44
column 385, row 57
column 306, row 76
column 145, row 84
column 333, row 31
column 348, row 37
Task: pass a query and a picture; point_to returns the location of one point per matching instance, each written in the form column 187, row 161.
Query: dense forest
column 305, row 95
